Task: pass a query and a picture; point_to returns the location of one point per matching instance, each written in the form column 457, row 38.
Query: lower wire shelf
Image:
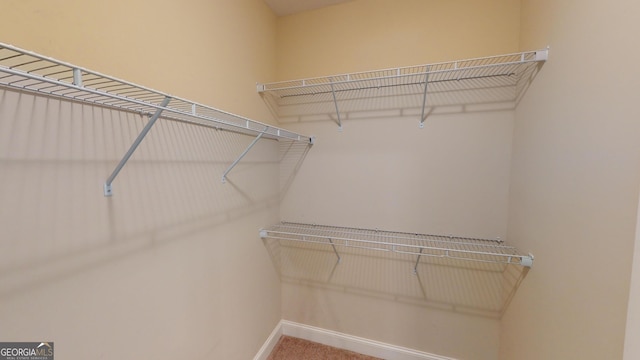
column 419, row 245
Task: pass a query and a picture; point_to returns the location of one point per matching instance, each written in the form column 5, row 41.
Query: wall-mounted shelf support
column 335, row 102
column 335, row 250
column 415, row 267
column 77, row 77
column 27, row 71
column 527, row 261
column 253, row 143
column 435, row 246
column 108, row 189
column 424, row 97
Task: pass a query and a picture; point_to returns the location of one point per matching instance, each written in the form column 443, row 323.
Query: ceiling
column 288, row 7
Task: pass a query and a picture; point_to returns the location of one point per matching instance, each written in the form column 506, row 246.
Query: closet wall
column 574, row 187
column 383, row 171
column 365, row 35
column 631, row 346
column 170, row 266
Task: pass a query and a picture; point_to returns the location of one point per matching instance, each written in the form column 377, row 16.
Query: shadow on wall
column 55, row 156
column 290, row 158
column 480, row 289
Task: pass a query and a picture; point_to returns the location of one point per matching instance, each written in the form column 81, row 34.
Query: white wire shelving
column 493, row 79
column 28, row 71
column 418, row 245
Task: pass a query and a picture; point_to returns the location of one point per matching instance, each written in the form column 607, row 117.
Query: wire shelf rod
column 416, row 83
column 67, row 68
column 393, row 235
column 143, row 104
column 382, row 78
column 415, row 242
column 393, row 248
column 293, row 236
column 442, row 67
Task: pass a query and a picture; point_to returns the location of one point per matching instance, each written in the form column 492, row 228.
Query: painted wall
column 170, row 266
column 574, row 188
column 631, row 345
column 211, row 52
column 378, row 34
column 382, row 171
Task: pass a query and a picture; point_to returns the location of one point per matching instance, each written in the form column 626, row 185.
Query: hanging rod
column 456, row 78
column 28, row 71
column 419, row 245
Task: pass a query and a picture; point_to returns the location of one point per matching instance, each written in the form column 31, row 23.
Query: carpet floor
column 290, row 348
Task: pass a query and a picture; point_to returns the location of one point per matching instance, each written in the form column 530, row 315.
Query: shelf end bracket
column 108, row 190
column 245, row 152
column 527, row 261
column 542, row 55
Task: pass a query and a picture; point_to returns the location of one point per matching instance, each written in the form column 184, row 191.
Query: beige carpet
column 290, row 348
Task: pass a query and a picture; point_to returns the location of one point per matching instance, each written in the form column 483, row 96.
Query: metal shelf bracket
column 108, row 189
column 253, row 143
column 335, row 250
column 527, row 261
column 335, row 102
column 542, row 55
column 424, row 97
column 77, row 77
column 415, row 268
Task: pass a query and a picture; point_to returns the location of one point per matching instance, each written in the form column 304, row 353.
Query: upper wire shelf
column 438, row 246
column 25, row 70
column 493, row 79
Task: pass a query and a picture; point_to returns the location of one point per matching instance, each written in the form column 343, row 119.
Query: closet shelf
column 29, row 71
column 32, row 72
column 499, row 78
column 419, row 245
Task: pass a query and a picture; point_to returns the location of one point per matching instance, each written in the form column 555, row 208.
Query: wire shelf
column 28, row 71
column 419, row 245
column 501, row 78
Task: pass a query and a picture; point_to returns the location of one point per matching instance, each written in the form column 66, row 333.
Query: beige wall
column 382, row 171
column 575, row 176
column 211, row 52
column 631, row 345
column 377, row 34
column 171, row 265
column 171, row 260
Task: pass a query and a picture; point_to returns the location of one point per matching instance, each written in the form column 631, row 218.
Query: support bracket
column 108, row 190
column 415, row 268
column 335, row 102
column 335, row 250
column 424, row 96
column 527, row 261
column 77, row 77
column 224, row 176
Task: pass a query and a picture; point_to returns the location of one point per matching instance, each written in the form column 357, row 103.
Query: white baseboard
column 271, row 342
column 342, row 341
